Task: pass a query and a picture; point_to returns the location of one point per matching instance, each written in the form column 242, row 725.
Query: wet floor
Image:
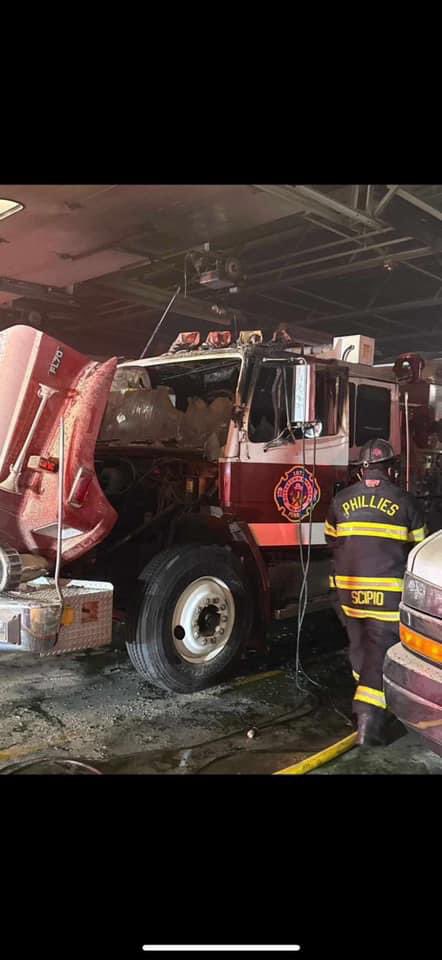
column 94, row 707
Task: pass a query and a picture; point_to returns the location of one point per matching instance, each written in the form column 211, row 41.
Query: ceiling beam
column 157, row 297
column 386, row 199
column 389, row 308
column 37, row 291
column 337, row 303
column 315, row 196
column 315, row 202
column 344, row 269
column 427, row 273
column 417, row 202
column 319, row 247
column 418, row 335
column 197, row 309
column 330, row 256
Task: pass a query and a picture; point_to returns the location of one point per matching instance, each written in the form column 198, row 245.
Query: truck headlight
column 422, row 595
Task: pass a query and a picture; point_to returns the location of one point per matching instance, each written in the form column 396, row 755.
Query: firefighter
column 371, row 527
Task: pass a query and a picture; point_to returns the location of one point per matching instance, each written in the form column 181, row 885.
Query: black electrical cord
column 292, row 715
column 303, row 595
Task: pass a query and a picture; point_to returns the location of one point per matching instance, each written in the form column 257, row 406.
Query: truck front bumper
column 413, row 691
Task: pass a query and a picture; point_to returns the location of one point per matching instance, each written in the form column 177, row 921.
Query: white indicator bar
column 223, row 948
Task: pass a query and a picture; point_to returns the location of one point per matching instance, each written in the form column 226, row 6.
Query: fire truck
column 183, row 496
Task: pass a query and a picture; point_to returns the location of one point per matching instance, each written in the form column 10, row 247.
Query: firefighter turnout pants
column 369, row 642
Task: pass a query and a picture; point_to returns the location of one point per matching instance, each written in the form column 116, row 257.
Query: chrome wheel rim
column 203, row 620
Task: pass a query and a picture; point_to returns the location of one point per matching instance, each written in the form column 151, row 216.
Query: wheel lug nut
column 221, row 629
column 224, row 618
column 222, row 606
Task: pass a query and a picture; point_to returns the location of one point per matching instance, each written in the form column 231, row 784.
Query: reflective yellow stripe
column 387, row 615
column 356, row 529
column 370, row 695
column 417, row 535
column 331, row 581
column 329, row 529
column 356, row 675
column 377, row 583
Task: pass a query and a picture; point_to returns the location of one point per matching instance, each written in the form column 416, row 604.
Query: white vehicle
column 413, row 667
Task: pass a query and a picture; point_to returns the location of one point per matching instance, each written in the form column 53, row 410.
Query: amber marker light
column 419, row 644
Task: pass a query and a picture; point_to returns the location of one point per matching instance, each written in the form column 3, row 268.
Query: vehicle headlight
column 422, row 595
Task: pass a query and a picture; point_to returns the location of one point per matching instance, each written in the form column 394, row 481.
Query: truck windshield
column 205, row 379
column 183, row 404
column 268, row 413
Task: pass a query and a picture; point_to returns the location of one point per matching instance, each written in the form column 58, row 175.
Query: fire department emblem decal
column 296, row 494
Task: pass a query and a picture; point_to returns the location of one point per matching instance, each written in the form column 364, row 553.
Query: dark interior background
column 95, row 265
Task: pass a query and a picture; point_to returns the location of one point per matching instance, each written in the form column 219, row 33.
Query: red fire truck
column 195, row 484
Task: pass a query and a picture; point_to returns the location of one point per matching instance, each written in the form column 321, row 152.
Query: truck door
column 293, row 450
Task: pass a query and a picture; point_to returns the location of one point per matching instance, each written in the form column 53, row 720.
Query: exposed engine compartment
column 163, row 430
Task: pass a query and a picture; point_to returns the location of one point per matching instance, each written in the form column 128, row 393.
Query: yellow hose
column 318, row 759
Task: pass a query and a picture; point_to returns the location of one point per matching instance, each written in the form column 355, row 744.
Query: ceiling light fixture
column 8, row 207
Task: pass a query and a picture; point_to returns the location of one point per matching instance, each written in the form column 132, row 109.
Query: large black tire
column 154, row 650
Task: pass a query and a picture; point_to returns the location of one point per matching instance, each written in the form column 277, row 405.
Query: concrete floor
column 94, row 707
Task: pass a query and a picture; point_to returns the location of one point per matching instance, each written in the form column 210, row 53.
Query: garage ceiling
column 96, row 265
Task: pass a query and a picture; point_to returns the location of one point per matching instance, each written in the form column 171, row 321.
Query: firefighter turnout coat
column 371, row 527
column 371, row 530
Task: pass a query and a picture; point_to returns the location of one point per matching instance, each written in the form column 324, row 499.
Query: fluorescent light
column 223, row 948
column 8, row 207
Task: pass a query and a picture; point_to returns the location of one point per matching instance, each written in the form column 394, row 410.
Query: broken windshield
column 184, row 404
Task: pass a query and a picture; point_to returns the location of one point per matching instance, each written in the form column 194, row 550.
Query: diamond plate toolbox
column 32, row 618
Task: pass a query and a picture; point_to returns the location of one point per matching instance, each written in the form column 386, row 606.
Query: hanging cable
column 303, row 593
column 305, row 565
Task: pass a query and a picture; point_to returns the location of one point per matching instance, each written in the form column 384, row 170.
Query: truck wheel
column 192, row 618
column 10, row 568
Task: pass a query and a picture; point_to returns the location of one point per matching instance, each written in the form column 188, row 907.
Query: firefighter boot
column 371, row 728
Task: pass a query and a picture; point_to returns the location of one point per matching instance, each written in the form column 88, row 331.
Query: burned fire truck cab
column 196, row 482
